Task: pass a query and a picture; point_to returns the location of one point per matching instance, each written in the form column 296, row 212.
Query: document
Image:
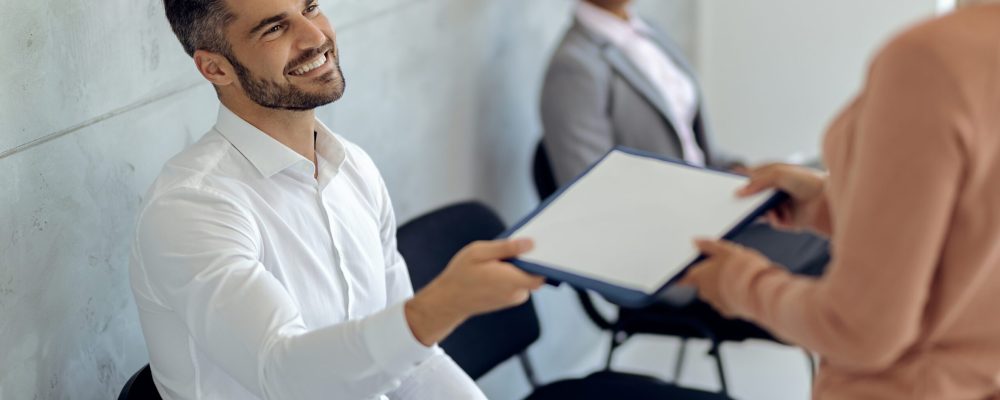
column 625, row 227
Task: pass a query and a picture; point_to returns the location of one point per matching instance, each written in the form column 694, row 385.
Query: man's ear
column 214, row 67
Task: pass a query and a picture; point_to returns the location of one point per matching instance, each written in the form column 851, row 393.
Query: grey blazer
column 595, row 98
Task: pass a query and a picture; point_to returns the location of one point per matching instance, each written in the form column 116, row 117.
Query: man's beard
column 286, row 96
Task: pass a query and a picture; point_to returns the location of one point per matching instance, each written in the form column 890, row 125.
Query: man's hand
column 476, row 281
column 804, row 186
column 722, row 258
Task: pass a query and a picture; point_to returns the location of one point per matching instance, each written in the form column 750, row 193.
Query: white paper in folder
column 630, row 220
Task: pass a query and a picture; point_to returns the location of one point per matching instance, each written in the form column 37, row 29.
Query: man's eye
column 273, row 29
column 312, row 9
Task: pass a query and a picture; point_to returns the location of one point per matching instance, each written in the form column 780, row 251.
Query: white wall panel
column 776, row 71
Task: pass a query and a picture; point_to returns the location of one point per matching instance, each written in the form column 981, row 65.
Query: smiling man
column 265, row 262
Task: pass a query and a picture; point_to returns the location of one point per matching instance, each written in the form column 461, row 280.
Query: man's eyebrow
column 265, row 22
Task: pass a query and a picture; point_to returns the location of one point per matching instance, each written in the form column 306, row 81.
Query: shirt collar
column 608, row 25
column 270, row 156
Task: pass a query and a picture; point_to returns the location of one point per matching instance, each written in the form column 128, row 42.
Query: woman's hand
column 805, row 187
column 722, row 259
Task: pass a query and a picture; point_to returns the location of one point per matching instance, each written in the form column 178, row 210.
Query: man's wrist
column 431, row 316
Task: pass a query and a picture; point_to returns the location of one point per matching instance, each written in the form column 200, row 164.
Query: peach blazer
column 910, row 305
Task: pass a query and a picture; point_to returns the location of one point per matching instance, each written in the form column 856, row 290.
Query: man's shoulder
column 202, row 166
column 352, row 150
column 356, row 158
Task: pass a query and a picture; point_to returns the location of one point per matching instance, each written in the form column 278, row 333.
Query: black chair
column 483, row 342
column 140, row 386
column 427, row 243
column 697, row 320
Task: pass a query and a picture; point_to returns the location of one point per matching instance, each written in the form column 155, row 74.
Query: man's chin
column 308, row 102
column 327, row 96
column 329, row 77
column 332, row 88
column 328, row 84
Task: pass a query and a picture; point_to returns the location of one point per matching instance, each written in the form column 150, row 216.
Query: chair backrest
column 545, row 181
column 140, row 386
column 428, row 244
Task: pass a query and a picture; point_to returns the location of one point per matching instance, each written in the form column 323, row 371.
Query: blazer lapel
column 628, row 71
column 677, row 56
column 631, row 74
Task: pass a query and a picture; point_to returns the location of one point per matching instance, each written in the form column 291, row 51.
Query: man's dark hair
column 199, row 24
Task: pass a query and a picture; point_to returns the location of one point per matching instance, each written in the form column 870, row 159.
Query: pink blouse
column 910, row 305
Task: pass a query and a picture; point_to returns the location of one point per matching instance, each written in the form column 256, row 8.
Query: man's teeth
column 311, row 66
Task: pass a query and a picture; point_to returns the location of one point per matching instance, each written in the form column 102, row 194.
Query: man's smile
column 317, row 65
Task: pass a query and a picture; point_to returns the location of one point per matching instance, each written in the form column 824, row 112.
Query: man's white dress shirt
column 254, row 279
column 634, row 38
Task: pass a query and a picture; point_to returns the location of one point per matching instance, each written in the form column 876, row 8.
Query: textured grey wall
column 96, row 95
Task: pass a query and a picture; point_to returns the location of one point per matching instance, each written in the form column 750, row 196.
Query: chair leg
column 679, row 363
column 529, row 370
column 717, row 355
column 617, row 338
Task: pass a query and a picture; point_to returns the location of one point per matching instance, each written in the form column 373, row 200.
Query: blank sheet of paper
column 630, row 221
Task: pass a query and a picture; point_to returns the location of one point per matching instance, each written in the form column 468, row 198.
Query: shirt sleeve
column 397, row 276
column 439, row 377
column 199, row 251
column 891, row 211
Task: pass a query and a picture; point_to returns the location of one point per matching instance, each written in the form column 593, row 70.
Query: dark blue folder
column 617, row 294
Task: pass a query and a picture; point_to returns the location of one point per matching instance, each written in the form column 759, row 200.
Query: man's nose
column 310, row 35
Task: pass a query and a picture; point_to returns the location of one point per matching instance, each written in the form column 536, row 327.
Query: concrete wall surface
column 96, row 95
